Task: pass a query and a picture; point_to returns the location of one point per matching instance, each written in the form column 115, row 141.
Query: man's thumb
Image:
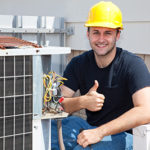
column 95, row 86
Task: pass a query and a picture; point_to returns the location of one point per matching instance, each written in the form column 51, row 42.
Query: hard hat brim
column 104, row 24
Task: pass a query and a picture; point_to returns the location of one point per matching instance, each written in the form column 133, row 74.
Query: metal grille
column 15, row 102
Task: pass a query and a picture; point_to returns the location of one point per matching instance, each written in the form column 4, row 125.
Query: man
column 114, row 86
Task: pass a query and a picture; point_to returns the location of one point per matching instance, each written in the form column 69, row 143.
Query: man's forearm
column 93, row 101
column 73, row 104
column 134, row 117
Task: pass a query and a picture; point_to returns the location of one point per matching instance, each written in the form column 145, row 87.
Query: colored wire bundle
column 52, row 82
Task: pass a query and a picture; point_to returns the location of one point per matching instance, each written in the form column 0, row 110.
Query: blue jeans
column 70, row 129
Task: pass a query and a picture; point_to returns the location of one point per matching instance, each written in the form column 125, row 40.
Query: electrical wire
column 51, row 82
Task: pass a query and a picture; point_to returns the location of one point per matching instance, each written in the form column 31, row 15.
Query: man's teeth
column 101, row 45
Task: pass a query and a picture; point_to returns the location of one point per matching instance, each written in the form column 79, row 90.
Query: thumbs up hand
column 94, row 100
column 95, row 86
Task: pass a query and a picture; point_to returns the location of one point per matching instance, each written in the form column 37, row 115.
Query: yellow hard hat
column 105, row 14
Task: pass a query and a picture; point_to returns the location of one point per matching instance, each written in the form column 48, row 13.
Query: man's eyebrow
column 96, row 30
column 108, row 31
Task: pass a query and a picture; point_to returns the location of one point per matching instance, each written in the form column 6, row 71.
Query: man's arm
column 92, row 101
column 138, row 115
column 70, row 104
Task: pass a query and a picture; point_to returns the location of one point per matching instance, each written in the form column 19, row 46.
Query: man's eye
column 108, row 33
column 95, row 32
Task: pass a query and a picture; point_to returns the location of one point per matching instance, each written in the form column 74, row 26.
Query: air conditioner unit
column 21, row 92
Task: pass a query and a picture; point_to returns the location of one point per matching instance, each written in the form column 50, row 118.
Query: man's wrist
column 102, row 131
column 82, row 101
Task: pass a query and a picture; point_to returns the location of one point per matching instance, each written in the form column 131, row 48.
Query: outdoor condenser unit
column 22, row 126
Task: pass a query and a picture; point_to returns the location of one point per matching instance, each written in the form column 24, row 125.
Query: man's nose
column 101, row 38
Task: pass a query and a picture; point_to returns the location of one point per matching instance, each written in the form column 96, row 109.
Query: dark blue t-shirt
column 126, row 74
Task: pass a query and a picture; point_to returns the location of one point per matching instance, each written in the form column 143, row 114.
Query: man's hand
column 88, row 137
column 94, row 100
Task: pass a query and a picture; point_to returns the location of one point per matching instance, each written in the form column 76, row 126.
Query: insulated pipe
column 60, row 137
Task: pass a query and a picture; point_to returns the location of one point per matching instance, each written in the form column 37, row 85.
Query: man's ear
column 118, row 35
column 87, row 34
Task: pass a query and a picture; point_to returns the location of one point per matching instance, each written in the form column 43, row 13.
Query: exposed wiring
column 52, row 83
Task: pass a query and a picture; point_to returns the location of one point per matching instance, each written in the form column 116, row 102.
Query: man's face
column 102, row 40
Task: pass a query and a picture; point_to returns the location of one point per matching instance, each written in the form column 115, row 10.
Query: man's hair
column 118, row 30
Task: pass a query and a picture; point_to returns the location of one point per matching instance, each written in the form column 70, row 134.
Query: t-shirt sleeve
column 71, row 73
column 138, row 75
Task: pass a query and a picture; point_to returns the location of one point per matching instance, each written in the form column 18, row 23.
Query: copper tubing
column 60, row 137
column 8, row 41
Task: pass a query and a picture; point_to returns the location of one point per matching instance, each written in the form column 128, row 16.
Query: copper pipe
column 60, row 137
